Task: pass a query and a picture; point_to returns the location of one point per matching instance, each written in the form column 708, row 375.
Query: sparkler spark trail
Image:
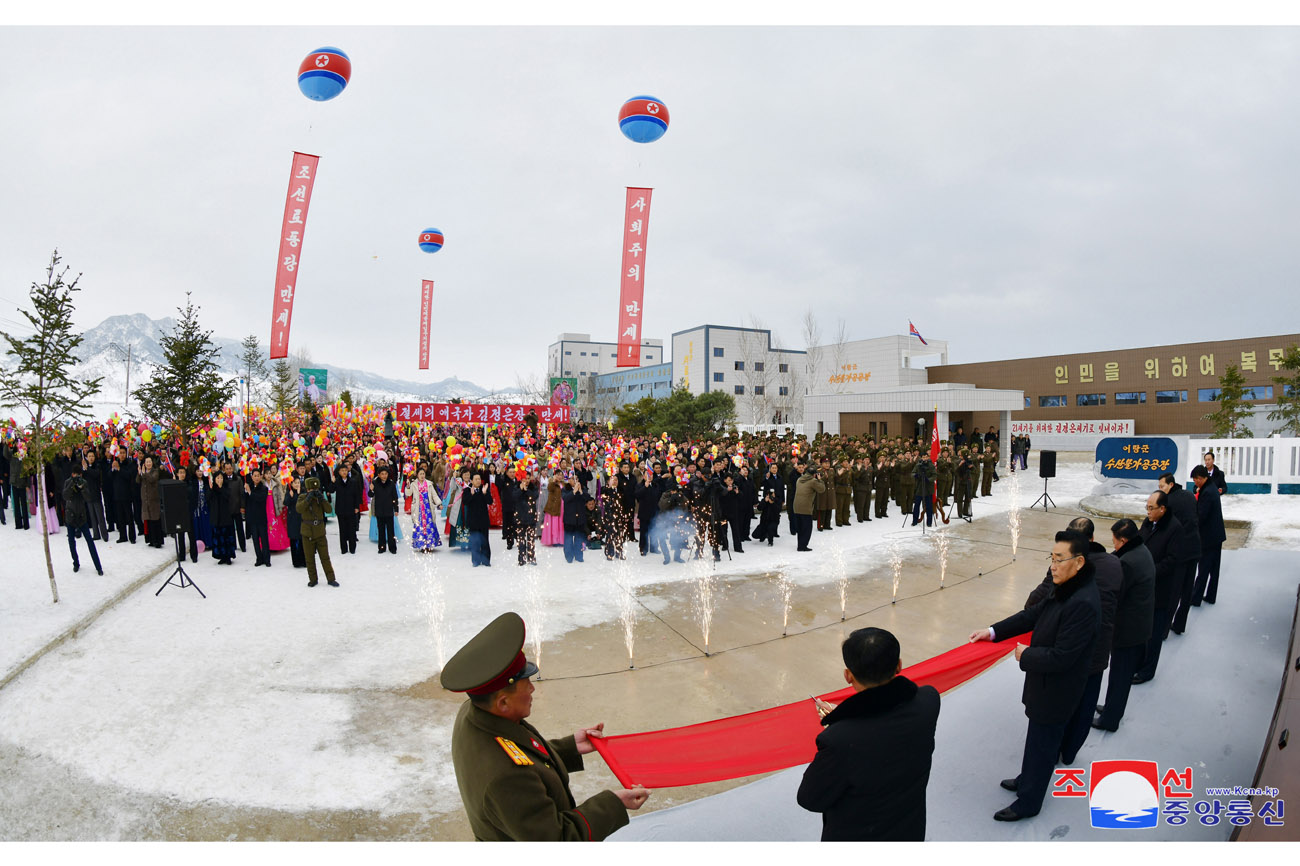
column 535, row 604
column 786, row 587
column 703, row 601
column 841, row 572
column 941, row 541
column 1013, row 516
column 625, row 587
column 896, row 564
column 435, row 606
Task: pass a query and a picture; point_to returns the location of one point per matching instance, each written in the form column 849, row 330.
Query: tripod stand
column 1045, row 498
column 179, row 571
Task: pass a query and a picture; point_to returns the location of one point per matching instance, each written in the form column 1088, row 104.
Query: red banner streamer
column 478, row 413
column 636, row 228
column 426, row 308
column 766, row 740
column 301, row 178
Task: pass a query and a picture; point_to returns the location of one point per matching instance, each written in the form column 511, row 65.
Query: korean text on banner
column 426, row 306
column 478, row 413
column 636, row 228
column 301, row 178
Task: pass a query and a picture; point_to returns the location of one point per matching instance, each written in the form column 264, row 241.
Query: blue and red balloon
column 643, row 119
column 430, row 240
column 324, row 73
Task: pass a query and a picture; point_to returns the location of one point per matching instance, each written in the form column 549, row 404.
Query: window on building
column 717, row 351
column 649, row 357
column 612, row 354
column 1053, row 401
column 783, row 391
column 1207, row 395
column 569, row 353
column 758, row 366
column 783, row 368
column 1026, row 406
column 568, row 372
column 631, row 388
column 1130, row 398
column 740, row 365
column 884, row 430
column 1171, row 396
column 740, row 389
column 1258, row 392
column 582, row 372
column 717, row 377
column 759, row 390
column 1090, row 399
column 583, row 354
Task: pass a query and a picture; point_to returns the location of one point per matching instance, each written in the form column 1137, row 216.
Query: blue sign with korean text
column 1131, row 457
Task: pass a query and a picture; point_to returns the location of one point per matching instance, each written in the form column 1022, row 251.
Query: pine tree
column 41, row 383
column 1286, row 393
column 284, row 388
column 346, row 397
column 187, row 388
column 1229, row 419
column 253, row 363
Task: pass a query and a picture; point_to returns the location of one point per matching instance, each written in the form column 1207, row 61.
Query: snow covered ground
column 271, row 695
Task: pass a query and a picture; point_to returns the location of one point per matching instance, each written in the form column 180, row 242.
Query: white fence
column 779, row 429
column 1251, row 462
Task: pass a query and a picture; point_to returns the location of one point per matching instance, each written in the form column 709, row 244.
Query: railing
column 1253, row 465
column 779, row 429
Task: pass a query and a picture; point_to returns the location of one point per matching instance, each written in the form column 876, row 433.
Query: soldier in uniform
column 843, row 493
column 975, row 463
column 943, row 473
column 313, row 506
column 990, row 467
column 513, row 781
column 862, row 489
column 961, row 492
column 883, row 468
column 826, row 498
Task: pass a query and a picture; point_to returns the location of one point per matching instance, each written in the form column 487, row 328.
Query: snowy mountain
column 140, row 333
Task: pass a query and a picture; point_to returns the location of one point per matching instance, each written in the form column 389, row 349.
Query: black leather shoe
column 76, row 566
column 1101, row 708
column 1009, row 784
column 333, row 582
column 1007, row 814
column 312, row 583
column 1096, row 723
column 1139, row 679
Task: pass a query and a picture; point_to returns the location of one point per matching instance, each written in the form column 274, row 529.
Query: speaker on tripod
column 174, row 497
column 1046, row 470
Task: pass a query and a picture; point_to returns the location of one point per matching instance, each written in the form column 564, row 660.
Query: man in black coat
column 93, row 472
column 1133, row 614
column 235, row 491
column 259, row 530
column 123, row 474
column 1216, row 474
column 508, row 490
column 1209, row 517
column 192, row 493
column 525, row 519
column 1183, row 505
column 348, row 506
column 647, row 495
column 774, row 486
column 76, row 514
column 627, row 499
column 383, row 504
column 477, row 521
column 872, row 767
column 1166, row 540
column 1065, row 627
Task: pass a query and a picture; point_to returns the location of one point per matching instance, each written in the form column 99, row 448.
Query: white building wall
column 871, row 365
column 579, row 356
column 705, row 359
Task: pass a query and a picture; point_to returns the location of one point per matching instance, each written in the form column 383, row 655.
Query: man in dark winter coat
column 186, row 520
column 1109, row 575
column 869, row 777
column 477, row 520
column 123, row 476
column 18, row 487
column 76, row 514
column 647, row 506
column 525, row 520
column 574, row 516
column 508, row 490
column 1133, row 613
column 348, row 506
column 94, row 475
column 256, row 494
column 1183, row 505
column 1167, row 542
column 1065, row 627
column 383, row 502
column 1209, row 516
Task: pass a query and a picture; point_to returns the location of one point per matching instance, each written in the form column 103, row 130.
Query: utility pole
column 124, row 353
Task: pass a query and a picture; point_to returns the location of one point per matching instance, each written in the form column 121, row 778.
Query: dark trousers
column 84, row 531
column 125, row 523
column 1042, row 748
column 295, row 553
column 803, row 528
column 928, row 500
column 1123, row 664
column 1159, row 628
column 526, row 542
column 261, row 535
column 794, row 521
column 348, row 524
column 95, row 511
column 153, row 532
column 1185, row 597
column 1076, row 730
column 110, row 514
column 239, row 533
column 312, row 548
column 479, row 552
column 193, row 545
column 646, row 520
column 823, row 519
column 1207, row 574
column 739, row 532
column 386, row 539
column 508, row 524
column 21, row 517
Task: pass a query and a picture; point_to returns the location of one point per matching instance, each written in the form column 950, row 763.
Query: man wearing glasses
column 1065, row 626
column 1164, row 537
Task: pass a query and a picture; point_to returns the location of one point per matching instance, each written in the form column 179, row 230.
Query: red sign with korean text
column 478, row 413
column 426, row 307
column 301, row 178
column 636, row 228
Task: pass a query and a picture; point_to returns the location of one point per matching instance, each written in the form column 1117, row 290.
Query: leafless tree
column 758, row 373
column 839, row 351
column 532, row 388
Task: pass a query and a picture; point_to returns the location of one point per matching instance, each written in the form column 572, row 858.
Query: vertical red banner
column 301, row 178
column 426, row 311
column 636, row 228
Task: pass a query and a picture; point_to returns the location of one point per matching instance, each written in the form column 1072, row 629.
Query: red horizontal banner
column 767, row 740
column 478, row 413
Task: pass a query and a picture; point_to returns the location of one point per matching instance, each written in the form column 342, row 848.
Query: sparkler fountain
column 625, row 587
column 703, row 601
column 941, row 541
column 841, row 572
column 535, row 604
column 786, row 587
column 435, row 606
column 895, row 564
column 1013, row 516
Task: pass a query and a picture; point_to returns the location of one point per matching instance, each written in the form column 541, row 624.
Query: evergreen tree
column 1229, row 419
column 187, row 388
column 253, row 363
column 346, row 397
column 284, row 388
column 1286, row 393
column 41, row 382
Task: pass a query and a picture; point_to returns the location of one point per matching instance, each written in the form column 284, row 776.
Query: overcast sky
column 1017, row 191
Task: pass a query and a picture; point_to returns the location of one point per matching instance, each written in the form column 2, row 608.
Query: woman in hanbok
column 553, row 522
column 425, row 504
column 277, row 531
column 454, row 514
column 51, row 512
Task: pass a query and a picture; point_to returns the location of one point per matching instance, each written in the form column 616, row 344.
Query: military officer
column 313, row 506
column 843, row 492
column 990, row 462
column 884, row 466
column 862, row 474
column 514, row 782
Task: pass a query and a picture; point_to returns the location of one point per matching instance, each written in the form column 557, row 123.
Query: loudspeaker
column 1046, row 464
column 175, row 506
